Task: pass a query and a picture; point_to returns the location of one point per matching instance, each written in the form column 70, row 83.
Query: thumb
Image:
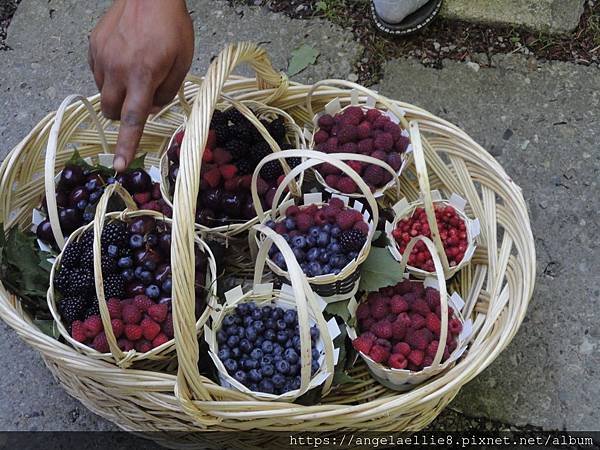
column 134, row 113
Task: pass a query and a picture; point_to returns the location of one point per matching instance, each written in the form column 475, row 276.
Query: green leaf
column 339, row 309
column 138, row 163
column 340, row 377
column 47, row 327
column 379, row 270
column 301, row 58
column 77, row 160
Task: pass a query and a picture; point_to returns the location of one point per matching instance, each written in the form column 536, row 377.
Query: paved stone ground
column 540, row 122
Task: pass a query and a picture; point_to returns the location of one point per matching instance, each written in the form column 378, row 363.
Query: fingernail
column 119, row 163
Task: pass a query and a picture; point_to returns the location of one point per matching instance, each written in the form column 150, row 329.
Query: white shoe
column 403, row 17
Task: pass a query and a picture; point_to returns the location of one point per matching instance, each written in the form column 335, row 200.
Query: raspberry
column 362, row 344
column 363, row 311
column 402, row 348
column 159, row 340
column 304, row 222
column 158, row 312
column 212, row 177
column 133, row 332
column 143, row 302
column 331, row 146
column 419, row 339
column 292, row 211
column 93, row 326
column 78, row 331
column 394, row 160
column 328, row 169
column 221, row 156
column 207, row 156
column 321, row 136
column 125, row 344
column 346, row 219
column 379, row 308
column 350, row 147
column 372, row 115
column 346, row 185
column 211, row 140
column 366, row 324
column 374, row 175
column 357, row 166
column 117, row 326
column 131, row 314
column 379, row 154
column 432, row 297
column 320, row 218
column 417, row 321
column 427, row 361
column 332, row 181
column 398, row 329
column 403, row 287
column 366, row 146
column 150, row 328
column 143, row 346
column 142, row 197
column 398, row 304
column 167, row 326
column 114, row 308
column 416, row 357
column 100, row 343
column 433, row 323
column 379, row 354
column 384, row 142
column 325, row 121
column 397, row 361
column 455, row 326
column 380, row 122
column 382, row 329
column 228, row 171
column 402, row 144
column 363, row 130
column 432, row 348
column 353, row 115
column 420, row 306
column 362, row 227
column 369, row 335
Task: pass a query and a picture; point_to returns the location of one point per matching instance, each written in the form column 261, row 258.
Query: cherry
column 163, row 271
column 135, row 288
column 248, row 211
column 211, row 198
column 44, row 232
column 69, row 220
column 71, row 176
column 205, row 217
column 164, row 243
column 142, row 225
column 173, row 152
column 140, row 181
column 77, row 195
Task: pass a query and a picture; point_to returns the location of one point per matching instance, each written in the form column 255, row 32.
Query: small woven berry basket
column 429, row 201
column 255, row 112
column 404, row 379
column 396, row 154
column 299, row 297
column 157, row 357
column 343, row 285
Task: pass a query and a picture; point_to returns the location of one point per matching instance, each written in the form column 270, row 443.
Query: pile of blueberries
column 260, row 347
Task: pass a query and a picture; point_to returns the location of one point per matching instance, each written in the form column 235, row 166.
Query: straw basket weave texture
column 496, row 285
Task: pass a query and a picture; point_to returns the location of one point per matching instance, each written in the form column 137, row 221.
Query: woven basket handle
column 439, row 272
column 184, row 202
column 99, row 218
column 50, row 161
column 423, row 178
column 305, row 302
column 365, row 91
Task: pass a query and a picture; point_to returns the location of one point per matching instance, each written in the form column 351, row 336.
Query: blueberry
column 125, row 263
column 221, row 337
column 91, row 185
column 146, row 277
column 290, row 224
column 267, row 346
column 277, row 349
column 267, row 370
column 266, row 311
column 82, row 204
column 167, row 286
column 282, row 335
column 149, row 265
column 136, row 241
column 251, row 306
column 94, row 196
column 336, row 260
column 233, row 341
column 272, row 251
column 289, row 344
column 277, row 313
column 151, row 239
column 277, row 358
column 249, row 364
column 247, row 321
column 236, row 353
column 335, row 231
column 353, row 255
column 112, row 250
column 256, row 354
column 271, row 224
column 314, row 367
column 231, row 365
column 283, row 366
column 229, row 320
column 299, row 254
column 291, row 356
column 242, row 309
column 296, row 342
column 312, row 254
column 153, row 291
column 240, row 375
column 267, row 359
column 231, row 330
column 270, row 334
column 110, row 180
column 314, row 268
column 259, row 341
column 315, row 354
column 326, row 228
column 259, row 326
column 278, row 380
column 311, row 241
column 270, row 324
column 127, row 274
column 255, row 375
column 245, row 345
column 296, row 383
column 241, row 332
column 138, row 271
column 324, row 257
column 314, row 232
column 279, row 260
column 299, row 241
column 287, row 387
column 294, row 369
column 253, row 387
column 266, row 386
column 286, row 237
column 88, row 216
column 314, row 332
column 334, row 247
column 336, row 271
column 326, row 269
column 224, row 353
column 256, row 314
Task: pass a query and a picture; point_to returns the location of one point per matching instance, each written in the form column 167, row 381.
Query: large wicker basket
column 496, row 285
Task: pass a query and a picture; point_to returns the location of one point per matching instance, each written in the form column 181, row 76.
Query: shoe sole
column 412, row 23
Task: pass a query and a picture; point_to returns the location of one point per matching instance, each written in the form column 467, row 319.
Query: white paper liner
column 285, row 300
column 402, row 379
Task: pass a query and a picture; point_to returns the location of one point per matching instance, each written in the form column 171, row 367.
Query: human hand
column 139, row 53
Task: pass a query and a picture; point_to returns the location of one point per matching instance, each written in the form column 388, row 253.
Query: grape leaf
column 301, row 58
column 339, row 309
column 138, row 163
column 379, row 270
column 47, row 327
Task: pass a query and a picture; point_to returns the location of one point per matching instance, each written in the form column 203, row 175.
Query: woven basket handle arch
column 305, row 302
column 439, row 272
column 184, row 202
column 50, row 160
column 99, row 219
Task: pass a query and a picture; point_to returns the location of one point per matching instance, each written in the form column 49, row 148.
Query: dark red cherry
column 125, row 180
column 163, row 271
column 140, row 181
column 230, row 203
column 164, row 243
column 248, row 211
column 205, row 217
column 69, row 220
column 135, row 288
column 173, row 152
column 211, row 198
column 142, row 225
column 71, row 176
column 173, row 172
column 77, row 195
column 44, row 232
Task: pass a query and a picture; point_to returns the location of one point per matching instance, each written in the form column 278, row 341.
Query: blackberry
column 80, row 281
column 222, row 133
column 247, row 132
column 92, row 310
column 271, row 171
column 234, row 116
column 71, row 255
column 259, row 150
column 293, row 162
column 61, row 281
column 244, row 166
column 218, row 118
column 277, row 129
column 237, row 148
column 114, row 233
column 352, row 240
column 114, row 286
column 109, row 265
column 71, row 308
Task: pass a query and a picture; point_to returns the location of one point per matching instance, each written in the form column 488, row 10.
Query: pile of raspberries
column 400, row 326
